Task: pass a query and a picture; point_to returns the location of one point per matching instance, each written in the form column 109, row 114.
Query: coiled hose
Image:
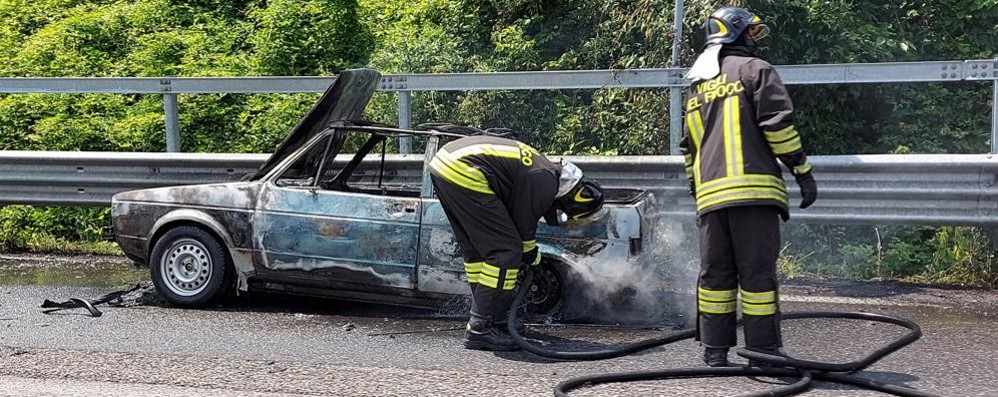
column 804, row 371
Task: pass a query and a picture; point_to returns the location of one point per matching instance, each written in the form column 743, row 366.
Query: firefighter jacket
column 736, row 126
column 524, row 180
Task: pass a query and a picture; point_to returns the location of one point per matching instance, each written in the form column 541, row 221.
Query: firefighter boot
column 483, row 334
column 715, row 356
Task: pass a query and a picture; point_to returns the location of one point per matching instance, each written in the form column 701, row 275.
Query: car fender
column 190, row 215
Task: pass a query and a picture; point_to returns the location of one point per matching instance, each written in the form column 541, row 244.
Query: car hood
column 234, row 195
column 345, row 99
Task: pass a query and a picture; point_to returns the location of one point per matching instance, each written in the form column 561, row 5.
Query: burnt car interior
column 364, row 172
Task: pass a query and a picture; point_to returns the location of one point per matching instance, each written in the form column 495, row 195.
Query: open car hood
column 345, row 99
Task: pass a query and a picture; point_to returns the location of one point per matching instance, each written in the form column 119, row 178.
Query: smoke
column 654, row 288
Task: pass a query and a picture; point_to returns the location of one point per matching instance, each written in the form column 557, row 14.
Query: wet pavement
column 278, row 346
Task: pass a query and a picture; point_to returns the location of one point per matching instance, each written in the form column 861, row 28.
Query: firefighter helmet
column 585, row 199
column 727, row 24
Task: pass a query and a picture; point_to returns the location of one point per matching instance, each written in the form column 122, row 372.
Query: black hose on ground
column 802, row 384
column 804, row 371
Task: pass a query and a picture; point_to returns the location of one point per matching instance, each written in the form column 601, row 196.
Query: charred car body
column 309, row 223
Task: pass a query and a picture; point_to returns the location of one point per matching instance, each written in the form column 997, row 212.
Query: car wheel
column 190, row 267
column 546, row 292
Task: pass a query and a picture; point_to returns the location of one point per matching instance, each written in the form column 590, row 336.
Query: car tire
column 546, row 294
column 190, row 267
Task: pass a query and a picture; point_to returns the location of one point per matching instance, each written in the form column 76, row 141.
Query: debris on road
column 113, row 298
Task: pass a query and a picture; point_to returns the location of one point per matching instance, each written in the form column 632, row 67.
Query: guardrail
column 405, row 84
column 863, row 189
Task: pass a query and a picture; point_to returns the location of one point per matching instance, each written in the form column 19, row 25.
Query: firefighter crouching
column 739, row 120
column 493, row 191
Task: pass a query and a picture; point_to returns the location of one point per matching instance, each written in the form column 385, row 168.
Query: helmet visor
column 757, row 32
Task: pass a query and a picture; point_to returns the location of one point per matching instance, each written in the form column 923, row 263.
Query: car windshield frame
column 339, row 131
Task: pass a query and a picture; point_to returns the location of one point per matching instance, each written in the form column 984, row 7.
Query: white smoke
column 656, row 286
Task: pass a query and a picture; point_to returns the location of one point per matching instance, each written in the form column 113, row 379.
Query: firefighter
column 494, row 191
column 738, row 121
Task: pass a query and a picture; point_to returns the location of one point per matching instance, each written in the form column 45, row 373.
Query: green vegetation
column 320, row 37
column 948, row 255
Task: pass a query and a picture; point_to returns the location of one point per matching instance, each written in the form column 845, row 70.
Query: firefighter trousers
column 738, row 251
column 489, row 242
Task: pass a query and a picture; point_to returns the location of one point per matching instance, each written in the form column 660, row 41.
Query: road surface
column 275, row 346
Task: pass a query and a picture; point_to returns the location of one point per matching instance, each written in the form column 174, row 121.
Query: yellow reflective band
column 733, row 137
column 802, row 169
column 490, row 270
column 512, row 273
column 461, row 168
column 488, row 281
column 688, row 162
column 488, row 150
column 446, row 173
column 760, row 181
column 489, row 276
column 736, row 121
column 787, row 147
column 696, row 133
column 716, row 308
column 717, row 295
column 758, row 297
column 739, row 190
column 750, row 309
column 529, row 245
column 472, row 270
column 509, row 285
column 742, row 194
column 742, row 179
column 696, row 127
column 781, row 135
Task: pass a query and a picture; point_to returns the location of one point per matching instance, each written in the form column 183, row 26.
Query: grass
column 791, row 265
column 48, row 244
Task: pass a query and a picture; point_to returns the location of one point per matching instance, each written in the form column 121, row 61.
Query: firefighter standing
column 739, row 120
column 493, row 191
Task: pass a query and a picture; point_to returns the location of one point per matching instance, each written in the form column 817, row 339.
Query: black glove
column 808, row 189
column 693, row 189
column 532, row 257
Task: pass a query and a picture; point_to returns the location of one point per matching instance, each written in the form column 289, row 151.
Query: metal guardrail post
column 172, row 123
column 405, row 120
column 994, row 115
column 676, row 93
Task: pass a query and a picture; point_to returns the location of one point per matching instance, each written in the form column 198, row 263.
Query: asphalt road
column 272, row 346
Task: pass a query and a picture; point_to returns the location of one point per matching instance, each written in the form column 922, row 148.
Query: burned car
column 362, row 226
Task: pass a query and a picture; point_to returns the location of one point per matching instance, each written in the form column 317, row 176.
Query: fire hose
column 804, row 371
